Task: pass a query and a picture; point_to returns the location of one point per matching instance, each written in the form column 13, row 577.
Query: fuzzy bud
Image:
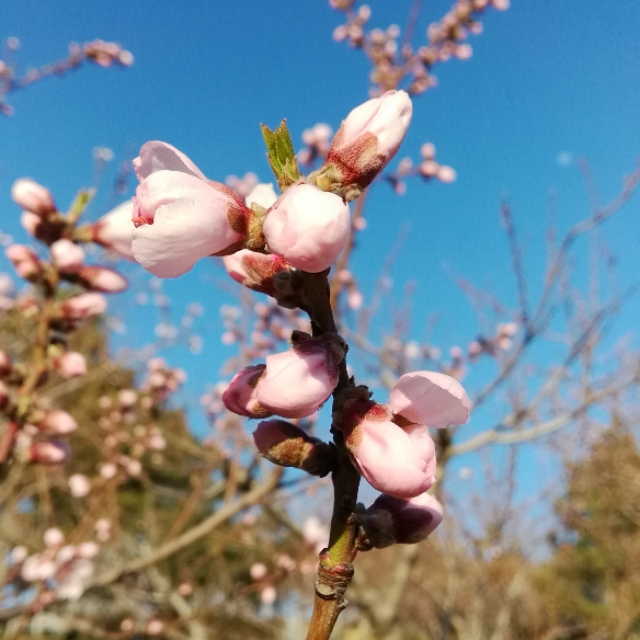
column 67, row 255
column 86, row 305
column 240, row 396
column 49, row 452
column 33, row 197
column 71, row 365
column 58, row 422
column 102, row 279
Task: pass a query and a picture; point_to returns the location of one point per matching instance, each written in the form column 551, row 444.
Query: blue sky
column 546, row 78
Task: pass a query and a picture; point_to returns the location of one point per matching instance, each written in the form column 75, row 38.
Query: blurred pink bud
column 393, row 460
column 428, row 151
column 463, row 51
column 49, row 452
column 308, row 227
column 257, row 571
column 268, row 595
column 30, row 222
column 429, row 397
column 85, row 305
column 5, row 363
column 79, row 485
column 67, row 255
column 87, row 550
column 315, row 533
column 37, row 567
column 127, row 398
column 103, row 279
column 255, row 270
column 429, row 168
column 71, row 365
column 508, row 329
column 286, row 563
column 179, row 215
column 446, row 174
column 24, row 260
column 32, row 196
column 241, row 397
column 500, row 5
column 475, row 348
column 297, row 382
column 262, row 194
column 370, row 137
column 155, row 627
column 392, row 520
column 127, row 625
column 114, row 230
column 108, row 470
column 18, row 554
column 58, row 422
column 289, row 446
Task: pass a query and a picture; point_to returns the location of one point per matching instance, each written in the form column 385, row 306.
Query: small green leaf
column 81, row 202
column 281, row 154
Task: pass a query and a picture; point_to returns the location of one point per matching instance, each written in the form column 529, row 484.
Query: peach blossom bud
column 179, row 215
column 155, row 627
column 71, row 365
column 369, row 138
column 463, row 51
column 500, row 5
column 428, row 151
column 268, row 596
column 286, row 445
column 114, row 230
column 257, row 271
column 24, row 260
column 67, row 255
column 184, row 590
column 66, row 554
column 49, row 452
column 508, row 329
column 5, row 363
column 297, row 382
column 127, row 398
column 308, row 227
column 429, row 397
column 32, row 196
column 286, row 563
column 19, row 554
column 102, row 279
column 398, row 462
column 108, row 471
column 258, row 571
column 58, row 422
column 85, row 305
column 53, row 537
column 429, row 168
column 79, row 485
column 392, row 520
column 88, row 550
column 446, row 174
column 262, row 194
column 475, row 348
column 241, row 397
column 127, row 625
column 30, row 222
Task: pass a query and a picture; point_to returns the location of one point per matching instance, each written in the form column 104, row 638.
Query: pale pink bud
column 268, row 595
column 297, row 382
column 289, row 446
column 429, row 397
column 71, row 364
column 398, row 462
column 241, row 396
column 508, row 329
column 446, row 174
column 103, row 279
column 184, row 590
column 114, row 230
column 257, row 571
column 24, row 260
column 30, row 222
column 85, row 305
column 155, row 627
column 127, row 398
column 262, row 194
column 286, row 563
column 369, row 137
column 5, row 363
column 127, row 625
column 315, row 533
column 53, row 537
column 87, row 550
column 392, row 520
column 67, row 255
column 308, row 227
column 108, row 470
column 255, row 270
column 79, row 485
column 37, row 567
column 19, row 554
column 428, row 151
column 49, row 452
column 58, row 422
column 180, row 216
column 32, row 196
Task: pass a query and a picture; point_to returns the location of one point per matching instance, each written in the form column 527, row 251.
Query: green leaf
column 281, row 154
column 81, row 202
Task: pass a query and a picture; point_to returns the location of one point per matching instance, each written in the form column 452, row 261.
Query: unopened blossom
column 71, row 364
column 114, row 230
column 58, row 422
column 315, row 533
column 37, row 567
column 18, row 554
column 430, row 397
column 102, row 279
column 392, row 520
column 155, row 627
column 79, row 485
column 84, row 305
column 257, row 571
column 24, row 260
column 53, row 537
column 49, row 452
column 33, row 197
column 67, row 255
column 71, row 577
column 255, row 270
column 184, row 589
column 262, row 194
column 30, row 222
column 179, row 215
column 298, row 382
column 289, row 446
column 308, row 227
column 396, row 461
column 87, row 550
column 127, row 398
column 368, row 139
column 268, row 595
column 241, row 397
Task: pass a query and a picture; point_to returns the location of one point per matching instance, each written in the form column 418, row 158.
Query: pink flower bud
column 286, row 445
column 67, row 255
column 58, row 422
column 127, row 398
column 102, row 279
column 369, row 138
column 428, row 397
column 392, row 520
column 32, row 196
column 53, row 537
column 179, row 215
column 398, row 462
column 71, row 365
column 5, row 363
column 263, row 195
column 155, row 627
column 79, row 485
column 297, row 382
column 49, row 452
column 241, row 397
column 85, row 305
column 24, row 260
column 268, row 595
column 257, row 270
column 257, row 571
column 114, row 230
column 308, row 227
column 30, row 222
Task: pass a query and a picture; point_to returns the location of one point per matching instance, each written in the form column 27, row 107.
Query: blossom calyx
column 398, row 461
column 392, row 520
column 367, row 140
column 298, row 382
column 240, row 396
column 289, row 446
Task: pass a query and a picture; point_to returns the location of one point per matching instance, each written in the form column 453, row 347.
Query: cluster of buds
column 428, row 169
column 161, row 380
column 104, row 54
column 317, row 140
column 491, row 346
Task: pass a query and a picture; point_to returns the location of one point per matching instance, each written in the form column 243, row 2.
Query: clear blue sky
column 546, row 78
